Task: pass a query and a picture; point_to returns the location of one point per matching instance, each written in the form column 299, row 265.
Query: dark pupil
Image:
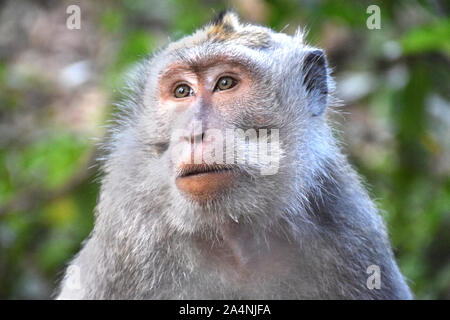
column 224, row 82
column 181, row 90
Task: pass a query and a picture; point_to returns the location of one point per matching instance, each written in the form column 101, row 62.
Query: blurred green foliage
column 47, row 194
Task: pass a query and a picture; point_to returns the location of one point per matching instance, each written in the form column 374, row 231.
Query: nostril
column 197, row 138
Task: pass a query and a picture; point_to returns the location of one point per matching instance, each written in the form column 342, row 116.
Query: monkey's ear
column 315, row 79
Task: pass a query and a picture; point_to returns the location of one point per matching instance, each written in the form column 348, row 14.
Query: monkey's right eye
column 182, row 91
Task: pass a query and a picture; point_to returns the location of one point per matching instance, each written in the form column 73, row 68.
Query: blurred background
column 58, row 86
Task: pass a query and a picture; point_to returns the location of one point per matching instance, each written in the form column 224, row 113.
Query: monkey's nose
column 195, row 149
column 195, row 138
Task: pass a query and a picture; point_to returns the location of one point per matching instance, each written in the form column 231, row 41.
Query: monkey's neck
column 241, row 253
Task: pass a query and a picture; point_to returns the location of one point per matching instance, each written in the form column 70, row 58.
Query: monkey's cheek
column 204, row 186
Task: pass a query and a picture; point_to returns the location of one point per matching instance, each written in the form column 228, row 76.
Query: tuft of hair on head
column 227, row 19
column 227, row 27
column 224, row 24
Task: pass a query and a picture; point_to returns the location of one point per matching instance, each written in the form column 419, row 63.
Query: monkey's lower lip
column 203, row 181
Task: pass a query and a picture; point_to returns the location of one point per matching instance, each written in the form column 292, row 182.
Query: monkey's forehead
column 226, row 29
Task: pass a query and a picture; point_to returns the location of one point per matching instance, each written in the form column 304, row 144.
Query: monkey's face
column 205, row 102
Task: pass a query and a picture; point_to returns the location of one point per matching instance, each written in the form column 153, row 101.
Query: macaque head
column 222, row 125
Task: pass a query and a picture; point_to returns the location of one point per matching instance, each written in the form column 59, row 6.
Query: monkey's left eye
column 225, row 83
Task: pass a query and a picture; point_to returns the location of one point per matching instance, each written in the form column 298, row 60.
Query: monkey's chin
column 205, row 186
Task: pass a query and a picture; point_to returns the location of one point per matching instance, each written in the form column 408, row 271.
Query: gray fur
column 313, row 219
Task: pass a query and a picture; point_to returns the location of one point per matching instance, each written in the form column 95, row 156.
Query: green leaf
column 435, row 37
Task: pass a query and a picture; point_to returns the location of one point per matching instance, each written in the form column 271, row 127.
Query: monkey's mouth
column 204, row 181
column 191, row 170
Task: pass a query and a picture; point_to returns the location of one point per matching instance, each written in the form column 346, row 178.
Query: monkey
column 302, row 226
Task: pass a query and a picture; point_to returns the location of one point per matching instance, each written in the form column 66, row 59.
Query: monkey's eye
column 225, row 83
column 182, row 91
